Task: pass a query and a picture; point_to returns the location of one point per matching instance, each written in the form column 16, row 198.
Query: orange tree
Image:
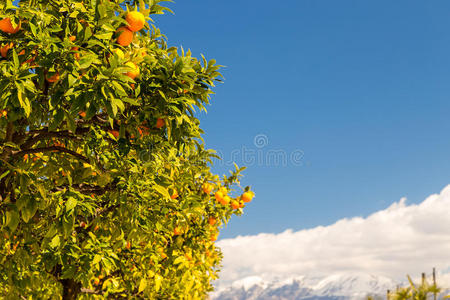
column 105, row 183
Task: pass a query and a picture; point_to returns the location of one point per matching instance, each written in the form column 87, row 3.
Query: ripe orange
column 188, row 256
column 125, row 36
column 7, row 26
column 143, row 130
column 96, row 228
column 207, row 188
column 128, row 245
column 213, row 237
column 247, row 196
column 115, row 133
column 177, row 231
column 76, row 54
column 82, row 114
column 72, row 38
column 133, row 73
column 160, row 123
column 235, row 204
column 22, row 52
column 3, row 113
column 174, row 194
column 212, row 221
column 219, row 196
column 135, row 20
column 225, row 200
column 53, row 78
column 5, row 48
column 96, row 281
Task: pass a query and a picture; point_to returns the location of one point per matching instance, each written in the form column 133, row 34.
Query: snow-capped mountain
column 334, row 287
column 348, row 286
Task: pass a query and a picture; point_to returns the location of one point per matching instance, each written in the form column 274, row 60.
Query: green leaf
column 16, row 59
column 12, row 219
column 158, row 280
column 29, row 210
column 163, row 191
column 55, row 242
column 116, row 103
column 59, row 116
column 178, row 260
column 24, row 103
column 104, row 36
column 97, row 259
column 71, row 203
column 4, row 174
column 71, row 122
column 142, row 285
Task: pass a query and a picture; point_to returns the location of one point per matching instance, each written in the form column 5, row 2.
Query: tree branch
column 88, row 189
column 51, row 148
column 43, row 134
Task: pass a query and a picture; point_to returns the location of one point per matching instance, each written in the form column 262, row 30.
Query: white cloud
column 402, row 239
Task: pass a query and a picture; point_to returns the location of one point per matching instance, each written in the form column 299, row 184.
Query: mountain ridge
column 341, row 286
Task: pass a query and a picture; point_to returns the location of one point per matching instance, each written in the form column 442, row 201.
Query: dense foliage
column 105, row 182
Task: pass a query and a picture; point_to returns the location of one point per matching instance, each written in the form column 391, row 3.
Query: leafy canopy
column 105, row 182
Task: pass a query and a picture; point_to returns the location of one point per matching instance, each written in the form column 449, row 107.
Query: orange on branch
column 135, row 70
column 235, row 204
column 174, row 194
column 219, row 196
column 115, row 133
column 225, row 200
column 7, row 26
column 96, row 281
column 160, row 123
column 53, row 78
column 135, row 20
column 125, row 36
column 177, row 231
column 5, row 48
column 213, row 237
column 247, row 196
column 212, row 221
column 207, row 188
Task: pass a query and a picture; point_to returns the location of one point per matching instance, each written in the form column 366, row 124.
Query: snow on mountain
column 333, row 287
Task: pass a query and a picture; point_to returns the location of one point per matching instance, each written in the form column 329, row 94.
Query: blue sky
column 361, row 88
